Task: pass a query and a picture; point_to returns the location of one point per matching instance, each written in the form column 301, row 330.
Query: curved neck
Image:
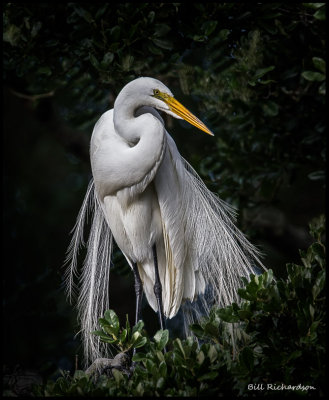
column 143, row 129
column 124, row 118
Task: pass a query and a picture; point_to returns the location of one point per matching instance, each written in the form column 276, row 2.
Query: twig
column 33, row 97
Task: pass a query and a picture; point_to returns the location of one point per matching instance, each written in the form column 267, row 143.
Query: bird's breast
column 135, row 225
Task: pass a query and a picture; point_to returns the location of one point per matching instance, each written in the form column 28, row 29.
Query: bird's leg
column 138, row 291
column 139, row 295
column 158, row 289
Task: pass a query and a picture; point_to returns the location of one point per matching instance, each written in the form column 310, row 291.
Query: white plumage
column 144, row 193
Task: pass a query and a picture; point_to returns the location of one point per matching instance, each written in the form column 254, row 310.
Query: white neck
column 143, row 129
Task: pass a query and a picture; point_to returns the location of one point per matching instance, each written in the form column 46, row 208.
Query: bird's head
column 171, row 106
column 155, row 94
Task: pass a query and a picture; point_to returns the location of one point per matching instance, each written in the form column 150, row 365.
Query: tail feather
column 93, row 298
column 223, row 252
column 76, row 242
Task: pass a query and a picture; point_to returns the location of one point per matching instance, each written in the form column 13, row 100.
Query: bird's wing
column 171, row 191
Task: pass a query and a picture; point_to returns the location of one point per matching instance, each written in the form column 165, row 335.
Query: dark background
column 255, row 74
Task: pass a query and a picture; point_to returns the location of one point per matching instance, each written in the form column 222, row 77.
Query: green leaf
column 316, row 176
column 107, row 59
column 319, row 63
column 244, row 314
column 211, row 329
column 140, row 389
column 99, row 333
column 223, row 34
column 139, row 357
column 178, row 344
column 200, row 357
column 151, row 16
column 244, row 280
column 164, row 44
column 108, row 328
column 104, row 338
column 160, row 355
column 268, row 277
column 320, row 14
column 314, row 326
column 138, row 327
column 12, row 35
column 322, row 89
column 266, row 82
column 115, row 33
column 101, row 11
column 118, row 376
column 313, row 76
column 319, row 284
column 227, row 314
column 212, row 353
column 138, row 340
column 44, row 71
column 93, row 61
column 79, row 374
column 103, row 322
column 199, row 38
column 262, row 71
column 112, row 319
column 312, row 310
column 123, row 335
column 36, row 28
column 161, row 338
column 271, row 108
column 294, row 355
column 163, row 369
column 177, row 359
column 127, row 62
column 245, row 295
column 209, row 376
column 161, row 30
column 317, row 227
column 197, row 330
column 127, row 326
column 313, row 5
column 209, row 27
column 83, row 13
column 154, row 50
column 150, row 366
column 160, row 383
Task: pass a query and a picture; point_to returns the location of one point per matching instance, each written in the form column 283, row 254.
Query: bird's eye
column 156, row 92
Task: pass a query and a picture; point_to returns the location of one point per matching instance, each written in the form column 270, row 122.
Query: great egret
column 178, row 238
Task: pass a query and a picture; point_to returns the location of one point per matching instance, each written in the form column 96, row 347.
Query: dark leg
column 158, row 289
column 139, row 293
column 139, row 297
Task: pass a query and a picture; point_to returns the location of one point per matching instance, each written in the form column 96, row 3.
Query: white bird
column 178, row 238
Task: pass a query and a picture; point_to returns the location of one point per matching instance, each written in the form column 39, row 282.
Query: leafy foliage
column 124, row 339
column 280, row 330
column 254, row 72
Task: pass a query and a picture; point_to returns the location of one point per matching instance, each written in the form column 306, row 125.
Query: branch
column 33, row 97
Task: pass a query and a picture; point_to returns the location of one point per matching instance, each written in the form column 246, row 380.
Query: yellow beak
column 177, row 108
